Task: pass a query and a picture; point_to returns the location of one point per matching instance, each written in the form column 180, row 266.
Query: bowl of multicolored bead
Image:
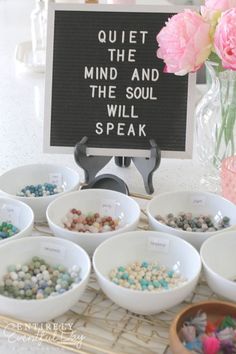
column 90, row 216
column 146, row 272
column 206, row 327
column 16, row 220
column 41, row 277
column 193, row 216
column 37, row 185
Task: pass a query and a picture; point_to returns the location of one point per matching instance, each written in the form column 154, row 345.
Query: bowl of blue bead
column 41, row 277
column 193, row 216
column 16, row 220
column 146, row 272
column 38, row 185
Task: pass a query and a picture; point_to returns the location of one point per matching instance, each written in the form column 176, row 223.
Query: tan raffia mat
column 107, row 328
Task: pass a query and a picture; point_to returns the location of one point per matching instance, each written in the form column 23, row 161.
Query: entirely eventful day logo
column 54, row 333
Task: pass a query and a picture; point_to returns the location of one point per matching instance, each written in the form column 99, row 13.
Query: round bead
column 40, row 190
column 190, row 223
column 46, row 280
column 146, row 277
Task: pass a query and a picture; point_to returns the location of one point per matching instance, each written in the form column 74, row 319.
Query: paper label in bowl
column 56, row 178
column 198, row 200
column 48, row 249
column 10, row 213
column 159, row 244
column 108, row 208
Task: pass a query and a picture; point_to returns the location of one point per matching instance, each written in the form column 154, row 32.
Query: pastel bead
column 146, row 276
column 38, row 280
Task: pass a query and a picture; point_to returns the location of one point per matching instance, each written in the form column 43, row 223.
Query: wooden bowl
column 213, row 309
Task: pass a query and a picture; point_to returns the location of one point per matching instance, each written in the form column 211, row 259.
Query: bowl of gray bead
column 193, row 216
column 38, row 185
column 41, row 277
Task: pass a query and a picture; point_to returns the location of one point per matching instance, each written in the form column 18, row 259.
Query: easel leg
column 90, row 164
column 147, row 166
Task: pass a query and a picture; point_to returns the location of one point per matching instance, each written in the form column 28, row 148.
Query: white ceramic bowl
column 12, row 181
column 19, row 214
column 219, row 263
column 194, row 202
column 166, row 249
column 54, row 251
column 93, row 200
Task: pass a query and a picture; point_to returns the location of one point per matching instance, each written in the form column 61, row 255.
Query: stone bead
column 151, row 277
column 13, row 275
column 37, row 283
column 190, row 223
column 40, row 190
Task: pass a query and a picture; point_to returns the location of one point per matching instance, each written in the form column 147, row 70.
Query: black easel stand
column 93, row 164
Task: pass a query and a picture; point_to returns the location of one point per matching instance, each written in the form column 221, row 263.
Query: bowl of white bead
column 38, row 184
column 89, row 217
column 193, row 216
column 146, row 272
column 16, row 220
column 41, row 277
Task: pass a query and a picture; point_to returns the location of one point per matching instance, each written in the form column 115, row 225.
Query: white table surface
column 21, row 130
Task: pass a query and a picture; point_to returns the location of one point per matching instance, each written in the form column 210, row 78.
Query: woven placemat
column 97, row 325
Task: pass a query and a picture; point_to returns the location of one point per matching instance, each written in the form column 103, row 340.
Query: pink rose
column 225, row 39
column 184, row 43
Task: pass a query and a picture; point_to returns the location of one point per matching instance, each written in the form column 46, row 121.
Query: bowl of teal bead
column 38, row 185
column 193, row 216
column 16, row 220
column 41, row 278
column 146, row 272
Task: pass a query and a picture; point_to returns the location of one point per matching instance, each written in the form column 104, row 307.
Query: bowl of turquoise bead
column 54, row 251
column 16, row 179
column 17, row 217
column 147, row 247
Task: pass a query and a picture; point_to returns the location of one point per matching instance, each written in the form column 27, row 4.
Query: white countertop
column 21, row 129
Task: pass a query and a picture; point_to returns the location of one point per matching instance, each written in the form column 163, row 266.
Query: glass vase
column 216, row 124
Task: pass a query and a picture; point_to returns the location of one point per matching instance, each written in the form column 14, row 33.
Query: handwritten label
column 51, row 250
column 158, row 244
column 198, row 200
column 10, row 213
column 56, row 178
column 108, row 208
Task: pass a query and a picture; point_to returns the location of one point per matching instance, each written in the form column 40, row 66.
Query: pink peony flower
column 184, row 43
column 213, row 8
column 225, row 39
column 221, row 5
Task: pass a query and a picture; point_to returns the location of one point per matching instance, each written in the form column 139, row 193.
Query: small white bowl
column 219, row 264
column 166, row 249
column 54, row 251
column 195, row 202
column 19, row 214
column 12, row 181
column 93, row 200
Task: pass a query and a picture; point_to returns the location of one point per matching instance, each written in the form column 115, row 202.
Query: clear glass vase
column 216, row 124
